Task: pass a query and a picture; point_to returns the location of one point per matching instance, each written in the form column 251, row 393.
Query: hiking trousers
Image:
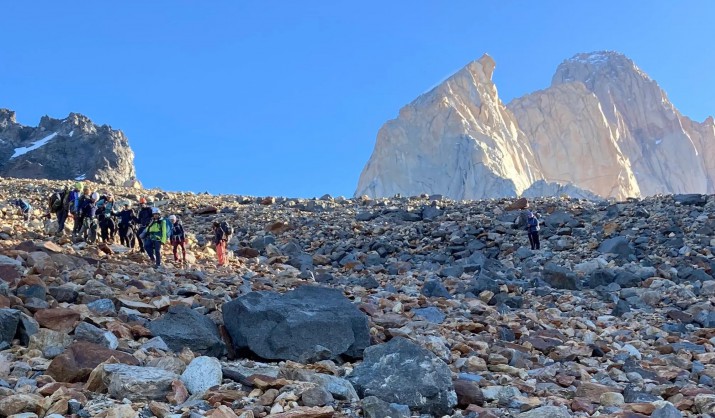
column 123, row 235
column 61, row 218
column 153, row 248
column 221, row 252
column 108, row 229
column 176, row 245
column 534, row 240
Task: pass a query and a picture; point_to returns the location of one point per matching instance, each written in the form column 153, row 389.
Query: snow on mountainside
column 603, row 126
column 64, row 149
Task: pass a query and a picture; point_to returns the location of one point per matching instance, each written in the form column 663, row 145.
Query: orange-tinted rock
column 519, row 204
column 57, row 319
column 78, row 361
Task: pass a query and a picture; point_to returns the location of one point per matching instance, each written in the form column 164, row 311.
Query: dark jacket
column 177, row 232
column 218, row 235
column 532, row 224
column 145, row 216
column 90, row 209
column 84, row 200
column 126, row 217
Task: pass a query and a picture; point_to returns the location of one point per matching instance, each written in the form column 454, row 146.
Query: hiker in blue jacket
column 25, row 208
column 532, row 227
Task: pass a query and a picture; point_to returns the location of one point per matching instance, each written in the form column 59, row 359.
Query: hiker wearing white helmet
column 155, row 235
column 178, row 238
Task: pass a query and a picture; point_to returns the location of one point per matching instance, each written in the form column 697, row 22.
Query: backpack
column 24, row 206
column 168, row 227
column 227, row 229
column 55, row 202
column 533, row 223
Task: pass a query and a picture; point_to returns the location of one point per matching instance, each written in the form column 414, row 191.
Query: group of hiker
column 101, row 217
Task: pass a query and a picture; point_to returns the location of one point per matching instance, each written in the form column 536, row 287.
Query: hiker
column 154, row 236
column 84, row 200
column 222, row 233
column 58, row 203
column 25, row 208
column 178, row 238
column 88, row 231
column 73, row 204
column 532, row 227
column 144, row 218
column 126, row 218
column 105, row 211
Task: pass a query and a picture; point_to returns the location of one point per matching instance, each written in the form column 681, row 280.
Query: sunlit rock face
column 458, row 140
column 603, row 127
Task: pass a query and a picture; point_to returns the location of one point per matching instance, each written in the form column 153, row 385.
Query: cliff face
column 645, row 123
column 64, row 149
column 556, row 121
column 602, row 127
column 457, row 139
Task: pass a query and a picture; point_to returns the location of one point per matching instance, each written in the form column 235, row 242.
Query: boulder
column 560, row 277
column 183, row 327
column 618, row 245
column 89, row 333
column 201, row 374
column 57, row 319
column 400, row 371
column 77, row 362
column 9, row 319
column 374, row 407
column 19, row 403
column 546, row 412
column 308, row 323
column 137, row 383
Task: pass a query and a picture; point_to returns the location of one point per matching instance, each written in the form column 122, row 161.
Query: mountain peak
column 7, row 117
column 590, row 66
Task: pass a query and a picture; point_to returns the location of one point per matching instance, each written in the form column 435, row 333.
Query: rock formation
column 644, row 122
column 73, row 148
column 603, row 126
column 458, row 140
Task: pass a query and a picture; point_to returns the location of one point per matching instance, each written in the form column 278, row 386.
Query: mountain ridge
column 603, row 125
column 73, row 148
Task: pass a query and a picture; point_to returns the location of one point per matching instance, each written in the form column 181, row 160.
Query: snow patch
column 24, row 150
column 72, row 133
column 81, row 177
column 658, row 141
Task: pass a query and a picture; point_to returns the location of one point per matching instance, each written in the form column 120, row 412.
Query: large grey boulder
column 374, row 407
column 560, row 277
column 402, row 372
column 137, row 383
column 202, row 374
column 9, row 319
column 546, row 412
column 307, row 324
column 618, row 245
column 183, row 327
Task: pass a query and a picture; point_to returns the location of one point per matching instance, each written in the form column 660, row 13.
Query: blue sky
column 286, row 97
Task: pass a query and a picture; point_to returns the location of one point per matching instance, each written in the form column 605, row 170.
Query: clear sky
column 285, row 98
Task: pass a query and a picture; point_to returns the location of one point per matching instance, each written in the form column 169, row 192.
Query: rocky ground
column 414, row 306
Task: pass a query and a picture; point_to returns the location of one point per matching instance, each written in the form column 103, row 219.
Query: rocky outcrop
column 645, row 123
column 310, row 323
column 458, row 140
column 72, row 148
column 603, row 126
column 587, row 156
